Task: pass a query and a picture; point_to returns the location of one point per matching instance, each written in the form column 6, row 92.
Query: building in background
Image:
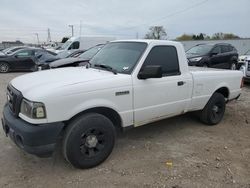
column 7, row 44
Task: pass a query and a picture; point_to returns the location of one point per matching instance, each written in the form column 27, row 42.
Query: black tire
column 205, row 65
column 100, row 133
column 214, row 110
column 233, row 66
column 4, row 67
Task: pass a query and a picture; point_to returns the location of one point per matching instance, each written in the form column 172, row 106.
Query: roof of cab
column 148, row 41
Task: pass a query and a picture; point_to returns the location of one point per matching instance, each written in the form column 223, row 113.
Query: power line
column 171, row 15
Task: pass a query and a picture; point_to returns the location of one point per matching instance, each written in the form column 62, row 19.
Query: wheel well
column 4, row 62
column 108, row 112
column 224, row 91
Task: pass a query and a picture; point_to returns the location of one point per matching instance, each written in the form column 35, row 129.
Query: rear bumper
column 39, row 140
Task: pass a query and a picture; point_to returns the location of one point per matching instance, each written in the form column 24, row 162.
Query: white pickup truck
column 127, row 84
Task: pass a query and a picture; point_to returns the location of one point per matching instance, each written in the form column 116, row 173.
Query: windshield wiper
column 107, row 67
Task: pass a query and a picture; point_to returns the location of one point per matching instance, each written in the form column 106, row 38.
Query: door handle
column 181, row 83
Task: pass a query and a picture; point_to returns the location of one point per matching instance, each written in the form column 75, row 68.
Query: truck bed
column 206, row 80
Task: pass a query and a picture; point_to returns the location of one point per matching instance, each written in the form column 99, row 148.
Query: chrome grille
column 14, row 98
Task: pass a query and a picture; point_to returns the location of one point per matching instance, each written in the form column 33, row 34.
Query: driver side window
column 25, row 53
column 166, row 57
column 216, row 50
column 75, row 45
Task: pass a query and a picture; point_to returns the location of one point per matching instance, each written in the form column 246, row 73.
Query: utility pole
column 137, row 35
column 37, row 37
column 49, row 36
column 80, row 27
column 72, row 30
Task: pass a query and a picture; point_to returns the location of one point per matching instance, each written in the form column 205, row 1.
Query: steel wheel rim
column 92, row 142
column 217, row 110
column 233, row 67
column 3, row 68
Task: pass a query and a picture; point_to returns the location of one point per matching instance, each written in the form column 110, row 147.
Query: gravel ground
column 177, row 152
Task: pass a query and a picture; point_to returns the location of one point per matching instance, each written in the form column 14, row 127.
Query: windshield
column 248, row 52
column 65, row 45
column 91, row 52
column 200, row 50
column 121, row 56
column 11, row 50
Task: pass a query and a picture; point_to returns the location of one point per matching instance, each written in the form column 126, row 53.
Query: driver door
column 216, row 58
column 24, row 60
column 158, row 98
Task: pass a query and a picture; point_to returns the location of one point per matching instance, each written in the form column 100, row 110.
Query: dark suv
column 213, row 55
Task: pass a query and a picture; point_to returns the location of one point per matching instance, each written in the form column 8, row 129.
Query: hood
column 61, row 62
column 66, row 61
column 65, row 81
column 189, row 56
column 2, row 55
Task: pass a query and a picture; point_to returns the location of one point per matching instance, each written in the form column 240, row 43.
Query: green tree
column 230, row 36
column 184, row 37
column 156, row 32
column 224, row 36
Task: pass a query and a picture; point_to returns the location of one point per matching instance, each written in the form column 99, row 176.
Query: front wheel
column 214, row 110
column 4, row 67
column 89, row 140
column 205, row 65
column 233, row 66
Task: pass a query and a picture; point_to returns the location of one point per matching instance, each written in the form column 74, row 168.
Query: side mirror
column 150, row 71
column 214, row 53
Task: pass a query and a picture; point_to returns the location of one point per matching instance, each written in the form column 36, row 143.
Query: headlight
column 34, row 110
column 196, row 59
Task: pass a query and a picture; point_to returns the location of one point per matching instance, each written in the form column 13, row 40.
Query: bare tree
column 156, row 32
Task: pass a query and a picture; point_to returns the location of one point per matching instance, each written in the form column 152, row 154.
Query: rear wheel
column 4, row 67
column 214, row 110
column 89, row 140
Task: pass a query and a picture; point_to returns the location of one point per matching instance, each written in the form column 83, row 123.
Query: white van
column 82, row 43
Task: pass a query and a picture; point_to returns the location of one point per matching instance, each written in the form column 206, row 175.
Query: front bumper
column 39, row 140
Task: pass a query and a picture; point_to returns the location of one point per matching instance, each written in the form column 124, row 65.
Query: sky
column 21, row 20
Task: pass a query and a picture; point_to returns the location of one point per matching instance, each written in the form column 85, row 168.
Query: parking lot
column 177, row 152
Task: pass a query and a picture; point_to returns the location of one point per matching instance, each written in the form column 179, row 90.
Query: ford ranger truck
column 126, row 84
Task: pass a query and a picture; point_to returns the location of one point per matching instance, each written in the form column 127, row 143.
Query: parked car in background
column 82, row 59
column 82, row 43
column 64, row 55
column 244, row 62
column 221, row 55
column 244, row 57
column 23, row 59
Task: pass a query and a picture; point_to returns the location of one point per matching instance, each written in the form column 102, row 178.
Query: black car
column 213, row 55
column 23, row 59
